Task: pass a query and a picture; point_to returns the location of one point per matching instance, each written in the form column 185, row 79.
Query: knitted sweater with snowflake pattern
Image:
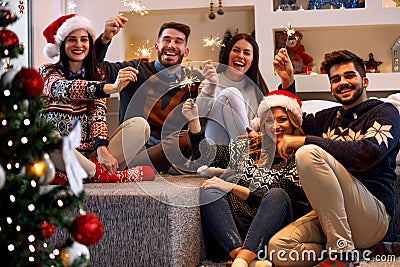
column 259, row 179
column 364, row 139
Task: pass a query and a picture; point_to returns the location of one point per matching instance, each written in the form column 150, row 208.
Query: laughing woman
column 232, row 91
column 75, row 89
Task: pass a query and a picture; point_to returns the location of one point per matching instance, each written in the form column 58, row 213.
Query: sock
column 135, row 174
column 239, row 262
column 60, row 178
column 101, row 175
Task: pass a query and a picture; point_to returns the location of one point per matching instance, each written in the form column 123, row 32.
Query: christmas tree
column 30, row 210
column 227, row 37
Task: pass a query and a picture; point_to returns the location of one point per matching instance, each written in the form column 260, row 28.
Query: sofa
column 157, row 223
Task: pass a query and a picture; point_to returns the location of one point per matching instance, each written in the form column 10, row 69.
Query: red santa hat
column 284, row 99
column 56, row 32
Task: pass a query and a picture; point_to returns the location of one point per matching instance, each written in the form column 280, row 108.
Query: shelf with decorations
column 372, row 29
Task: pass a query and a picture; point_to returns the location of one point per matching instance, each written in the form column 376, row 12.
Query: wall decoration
column 396, row 56
column 288, row 5
column 371, row 64
column 317, row 4
column 351, row 3
column 211, row 15
column 302, row 62
column 220, row 11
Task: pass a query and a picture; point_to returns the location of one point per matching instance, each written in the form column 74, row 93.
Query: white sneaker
column 239, row 262
column 258, row 263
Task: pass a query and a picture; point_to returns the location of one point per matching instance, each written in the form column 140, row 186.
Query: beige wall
column 140, row 28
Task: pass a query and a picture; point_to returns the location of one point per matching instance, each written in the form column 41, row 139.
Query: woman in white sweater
column 232, row 91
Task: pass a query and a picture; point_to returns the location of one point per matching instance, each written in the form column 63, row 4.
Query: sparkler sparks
column 136, row 6
column 212, row 42
column 143, row 52
column 187, row 82
column 289, row 32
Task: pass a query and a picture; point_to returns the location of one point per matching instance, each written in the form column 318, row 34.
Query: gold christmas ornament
column 36, row 169
column 42, row 169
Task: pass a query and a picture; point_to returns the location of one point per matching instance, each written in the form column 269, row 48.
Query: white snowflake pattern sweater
column 364, row 139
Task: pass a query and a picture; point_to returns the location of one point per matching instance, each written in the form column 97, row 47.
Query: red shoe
column 135, row 174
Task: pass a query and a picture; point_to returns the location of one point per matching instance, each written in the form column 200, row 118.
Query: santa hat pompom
column 59, row 29
column 51, row 50
column 284, row 99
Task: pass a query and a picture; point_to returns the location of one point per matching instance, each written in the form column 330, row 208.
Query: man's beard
column 350, row 101
column 167, row 64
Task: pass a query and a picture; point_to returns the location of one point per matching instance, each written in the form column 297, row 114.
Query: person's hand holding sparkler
column 112, row 27
column 282, row 63
column 283, row 67
column 191, row 113
column 125, row 76
column 209, row 71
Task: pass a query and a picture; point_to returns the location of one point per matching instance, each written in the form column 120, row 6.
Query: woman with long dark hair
column 232, row 91
column 75, row 89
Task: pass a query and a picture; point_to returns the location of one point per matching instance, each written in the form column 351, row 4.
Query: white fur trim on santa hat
column 71, row 24
column 284, row 101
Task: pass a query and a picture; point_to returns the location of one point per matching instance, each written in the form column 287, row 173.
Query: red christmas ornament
column 29, row 81
column 8, row 39
column 87, row 229
column 47, row 229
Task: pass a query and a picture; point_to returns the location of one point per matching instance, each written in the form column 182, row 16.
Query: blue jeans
column 230, row 232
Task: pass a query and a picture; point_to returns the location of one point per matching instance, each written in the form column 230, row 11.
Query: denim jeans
column 230, row 232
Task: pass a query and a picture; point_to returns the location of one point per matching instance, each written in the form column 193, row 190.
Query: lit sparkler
column 136, row 6
column 143, row 52
column 187, row 82
column 212, row 42
column 289, row 32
